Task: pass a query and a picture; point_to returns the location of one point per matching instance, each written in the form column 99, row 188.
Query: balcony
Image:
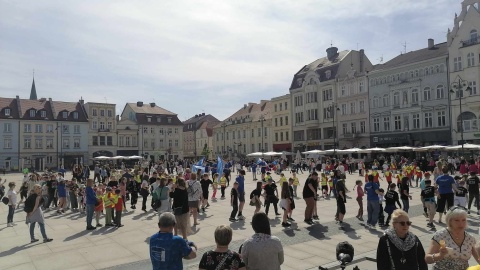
column 103, row 130
column 350, row 135
column 470, row 42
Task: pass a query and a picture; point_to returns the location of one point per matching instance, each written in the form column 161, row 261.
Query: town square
column 240, row 135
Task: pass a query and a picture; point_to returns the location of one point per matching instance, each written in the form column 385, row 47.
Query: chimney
column 431, row 44
column 332, row 53
column 81, row 101
column 139, row 103
column 117, row 117
column 203, row 114
column 18, row 106
column 152, row 104
column 244, row 106
column 196, row 115
column 361, row 59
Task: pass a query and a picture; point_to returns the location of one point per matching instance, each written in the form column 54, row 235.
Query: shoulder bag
column 224, row 260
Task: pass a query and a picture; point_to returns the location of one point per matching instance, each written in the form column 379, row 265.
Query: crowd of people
column 179, row 194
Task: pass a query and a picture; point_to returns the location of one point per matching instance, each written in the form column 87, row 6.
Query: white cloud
column 214, row 55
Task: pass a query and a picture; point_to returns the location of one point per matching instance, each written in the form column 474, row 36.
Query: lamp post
column 457, row 88
column 224, row 125
column 333, row 108
column 261, row 120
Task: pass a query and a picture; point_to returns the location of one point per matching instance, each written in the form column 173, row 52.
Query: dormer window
column 169, row 120
column 149, row 119
column 32, row 113
column 75, row 115
column 159, row 119
column 43, row 114
column 65, row 115
column 7, row 112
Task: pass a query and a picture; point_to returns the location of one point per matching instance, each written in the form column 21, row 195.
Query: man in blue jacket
column 90, row 203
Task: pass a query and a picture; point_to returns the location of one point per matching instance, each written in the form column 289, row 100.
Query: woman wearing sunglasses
column 452, row 247
column 400, row 249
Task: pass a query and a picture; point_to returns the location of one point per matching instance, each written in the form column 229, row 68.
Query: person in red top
column 376, row 176
column 388, row 176
column 473, row 167
column 418, row 175
column 360, row 193
column 118, row 209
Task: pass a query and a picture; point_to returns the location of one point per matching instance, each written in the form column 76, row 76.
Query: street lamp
column 224, row 125
column 457, row 88
column 261, row 120
column 333, row 108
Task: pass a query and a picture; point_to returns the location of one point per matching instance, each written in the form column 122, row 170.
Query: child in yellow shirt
column 296, row 183
column 223, row 184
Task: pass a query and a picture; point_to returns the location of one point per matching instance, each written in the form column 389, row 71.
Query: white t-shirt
column 12, row 196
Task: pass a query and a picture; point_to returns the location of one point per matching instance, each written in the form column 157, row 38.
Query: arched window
column 396, row 99
column 431, row 70
column 426, row 94
column 440, row 92
column 437, row 69
column 386, row 102
column 312, row 81
column 414, row 96
column 470, row 59
column 375, row 102
column 473, row 35
column 416, row 73
column 426, row 71
column 469, row 122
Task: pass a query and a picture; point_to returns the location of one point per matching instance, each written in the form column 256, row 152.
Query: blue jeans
column 406, row 205
column 90, row 208
column 11, row 211
column 373, row 208
column 42, row 230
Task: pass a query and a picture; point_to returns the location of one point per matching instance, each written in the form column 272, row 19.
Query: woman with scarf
column 400, row 249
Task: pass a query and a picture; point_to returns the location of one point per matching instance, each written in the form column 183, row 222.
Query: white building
column 464, row 51
column 247, row 130
column 102, row 131
column 281, row 124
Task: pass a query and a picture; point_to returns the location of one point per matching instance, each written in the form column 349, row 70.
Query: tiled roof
column 320, row 66
column 251, row 112
column 415, row 56
column 142, row 119
column 42, row 104
column 149, row 109
column 70, row 107
column 198, row 120
column 10, row 103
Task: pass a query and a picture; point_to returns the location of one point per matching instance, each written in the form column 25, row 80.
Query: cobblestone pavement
column 306, row 247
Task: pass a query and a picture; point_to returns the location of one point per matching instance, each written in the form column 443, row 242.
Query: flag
column 219, row 168
column 200, row 162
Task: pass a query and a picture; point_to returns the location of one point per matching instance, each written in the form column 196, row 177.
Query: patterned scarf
column 402, row 245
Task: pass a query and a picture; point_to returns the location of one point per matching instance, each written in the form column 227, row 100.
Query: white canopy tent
column 372, row 150
column 318, row 152
column 400, row 149
column 429, row 148
column 255, row 154
column 134, row 157
column 466, row 146
column 118, row 157
column 351, row 150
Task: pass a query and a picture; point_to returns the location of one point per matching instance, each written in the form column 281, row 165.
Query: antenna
column 34, row 73
column 404, row 47
column 331, row 43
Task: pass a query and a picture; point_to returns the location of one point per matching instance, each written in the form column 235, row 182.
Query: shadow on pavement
column 15, row 250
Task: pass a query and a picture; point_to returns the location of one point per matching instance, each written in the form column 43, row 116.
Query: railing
column 470, row 42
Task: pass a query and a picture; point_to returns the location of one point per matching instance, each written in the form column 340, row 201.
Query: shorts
column 205, row 195
column 325, row 188
column 241, row 196
column 193, row 204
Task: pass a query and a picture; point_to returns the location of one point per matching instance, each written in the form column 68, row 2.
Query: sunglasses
column 403, row 223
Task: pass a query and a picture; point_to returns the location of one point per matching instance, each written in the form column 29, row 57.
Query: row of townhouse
column 424, row 97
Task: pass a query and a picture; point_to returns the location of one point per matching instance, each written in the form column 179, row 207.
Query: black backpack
column 30, row 203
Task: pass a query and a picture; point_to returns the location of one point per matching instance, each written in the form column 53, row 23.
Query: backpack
column 5, row 200
column 30, row 203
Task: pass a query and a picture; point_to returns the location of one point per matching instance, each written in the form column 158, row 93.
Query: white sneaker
column 9, row 225
column 241, row 217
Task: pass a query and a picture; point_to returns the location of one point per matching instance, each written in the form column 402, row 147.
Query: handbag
column 5, row 200
column 224, row 260
column 253, row 201
column 177, row 211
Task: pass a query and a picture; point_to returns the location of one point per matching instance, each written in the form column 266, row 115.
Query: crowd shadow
column 317, row 231
column 15, row 250
column 76, row 236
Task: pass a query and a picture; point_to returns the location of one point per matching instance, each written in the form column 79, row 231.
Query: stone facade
column 409, row 99
column 197, row 132
column 281, row 124
column 314, row 92
column 102, row 131
column 464, row 48
column 247, row 130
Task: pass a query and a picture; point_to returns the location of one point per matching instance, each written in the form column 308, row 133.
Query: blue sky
column 196, row 56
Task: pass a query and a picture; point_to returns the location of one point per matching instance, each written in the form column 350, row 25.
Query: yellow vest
column 223, row 181
column 282, row 179
column 295, row 181
column 324, row 181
